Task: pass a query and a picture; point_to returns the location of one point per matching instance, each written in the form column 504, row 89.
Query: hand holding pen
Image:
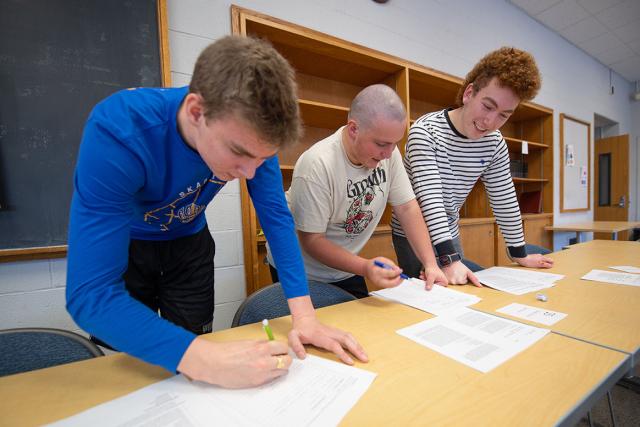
column 383, row 273
column 388, row 267
column 235, row 364
column 431, row 276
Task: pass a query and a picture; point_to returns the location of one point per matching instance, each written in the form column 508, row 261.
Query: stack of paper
column 477, row 339
column 612, row 277
column 516, row 281
column 315, row 392
column 436, row 301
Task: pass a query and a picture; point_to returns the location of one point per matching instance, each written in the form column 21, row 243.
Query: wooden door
column 612, row 182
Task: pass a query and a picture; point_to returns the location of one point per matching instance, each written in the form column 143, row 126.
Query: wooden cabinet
column 477, row 237
column 330, row 72
column 534, row 231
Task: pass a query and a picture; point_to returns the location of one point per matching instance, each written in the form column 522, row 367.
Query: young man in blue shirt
column 149, row 163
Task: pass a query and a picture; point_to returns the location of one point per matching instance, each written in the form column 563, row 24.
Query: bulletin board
column 575, row 164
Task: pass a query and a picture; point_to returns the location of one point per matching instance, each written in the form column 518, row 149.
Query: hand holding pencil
column 236, row 364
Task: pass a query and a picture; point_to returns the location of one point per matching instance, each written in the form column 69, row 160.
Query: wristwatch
column 446, row 260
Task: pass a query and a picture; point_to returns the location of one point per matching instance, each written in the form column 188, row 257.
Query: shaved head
column 377, row 102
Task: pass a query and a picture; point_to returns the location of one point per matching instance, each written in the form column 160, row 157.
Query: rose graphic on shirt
column 358, row 218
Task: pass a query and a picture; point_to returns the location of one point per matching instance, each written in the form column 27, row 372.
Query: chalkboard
column 58, row 58
column 575, row 164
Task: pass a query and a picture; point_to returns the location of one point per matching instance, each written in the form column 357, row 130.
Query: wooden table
column 601, row 313
column 622, row 250
column 554, row 382
column 613, row 227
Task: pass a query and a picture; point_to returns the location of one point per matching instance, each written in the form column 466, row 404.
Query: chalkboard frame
column 60, row 251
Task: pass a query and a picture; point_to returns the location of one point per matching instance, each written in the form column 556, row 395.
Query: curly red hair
column 514, row 68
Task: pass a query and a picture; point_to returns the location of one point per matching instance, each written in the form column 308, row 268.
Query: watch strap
column 448, row 259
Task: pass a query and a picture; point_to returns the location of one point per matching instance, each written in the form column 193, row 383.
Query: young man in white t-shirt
column 339, row 191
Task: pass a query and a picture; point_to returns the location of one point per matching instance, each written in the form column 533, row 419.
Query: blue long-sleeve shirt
column 136, row 178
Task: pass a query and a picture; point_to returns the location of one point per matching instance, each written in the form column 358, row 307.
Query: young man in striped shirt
column 448, row 151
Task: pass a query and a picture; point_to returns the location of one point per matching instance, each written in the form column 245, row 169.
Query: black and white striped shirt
column 443, row 166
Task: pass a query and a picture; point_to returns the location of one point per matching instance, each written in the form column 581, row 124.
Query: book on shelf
column 518, row 166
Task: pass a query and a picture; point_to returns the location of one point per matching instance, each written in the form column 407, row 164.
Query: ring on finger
column 279, row 362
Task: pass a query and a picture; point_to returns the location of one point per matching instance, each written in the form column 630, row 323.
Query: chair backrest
column 270, row 302
column 27, row 349
column 535, row 249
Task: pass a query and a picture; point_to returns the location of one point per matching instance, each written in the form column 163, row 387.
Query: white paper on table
column 613, row 277
column 315, row 392
column 516, row 281
column 436, row 301
column 626, row 268
column 534, row 314
column 479, row 340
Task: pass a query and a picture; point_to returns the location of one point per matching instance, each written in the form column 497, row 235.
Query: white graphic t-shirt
column 331, row 195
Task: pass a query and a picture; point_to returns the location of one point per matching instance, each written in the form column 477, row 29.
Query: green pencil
column 267, row 329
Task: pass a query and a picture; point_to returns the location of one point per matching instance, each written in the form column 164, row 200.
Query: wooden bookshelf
column 330, row 72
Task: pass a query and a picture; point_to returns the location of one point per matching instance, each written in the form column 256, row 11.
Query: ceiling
column 608, row 30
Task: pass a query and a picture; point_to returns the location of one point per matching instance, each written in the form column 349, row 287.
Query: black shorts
column 175, row 279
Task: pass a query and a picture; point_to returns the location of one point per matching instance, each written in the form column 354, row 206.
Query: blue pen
column 388, row 267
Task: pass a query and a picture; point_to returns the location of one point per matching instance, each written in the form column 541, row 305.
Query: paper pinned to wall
column 570, row 155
